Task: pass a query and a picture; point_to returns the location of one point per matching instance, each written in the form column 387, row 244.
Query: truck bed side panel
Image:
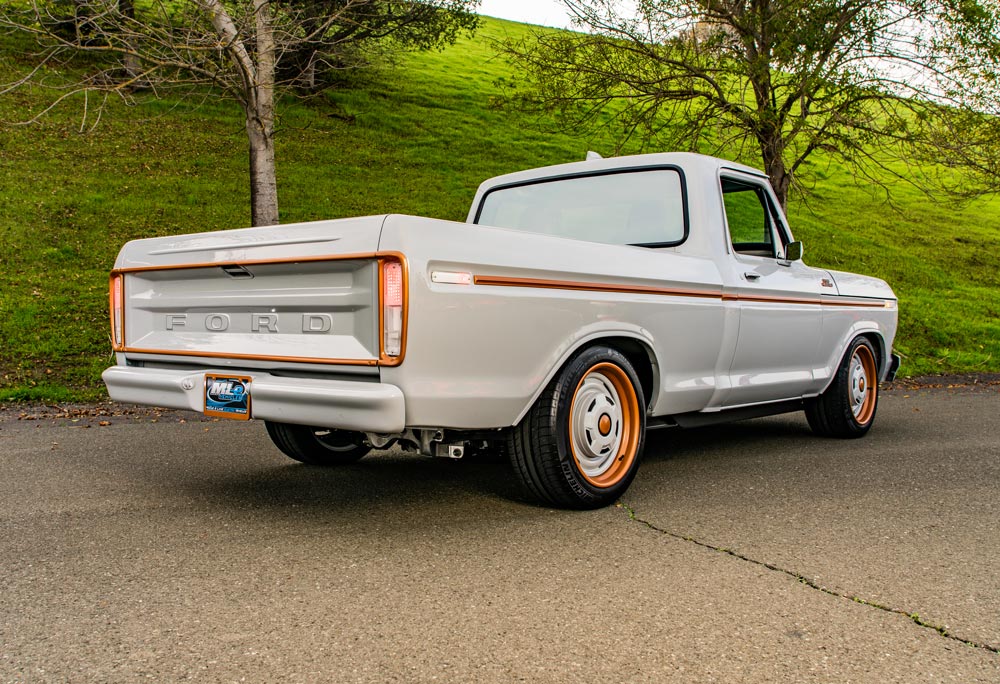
column 478, row 354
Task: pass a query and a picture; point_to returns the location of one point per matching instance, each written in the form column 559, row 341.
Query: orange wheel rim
column 863, row 386
column 604, row 425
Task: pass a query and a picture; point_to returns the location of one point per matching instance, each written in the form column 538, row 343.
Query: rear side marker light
column 392, row 308
column 451, row 277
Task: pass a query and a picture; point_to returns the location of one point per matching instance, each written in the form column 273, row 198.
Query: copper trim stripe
column 869, row 303
column 826, row 300
column 252, row 357
column 772, row 299
column 594, row 287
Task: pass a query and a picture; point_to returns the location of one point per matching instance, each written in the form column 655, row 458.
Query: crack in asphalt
column 802, row 579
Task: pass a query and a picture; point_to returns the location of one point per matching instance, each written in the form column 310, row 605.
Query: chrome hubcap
column 597, row 425
column 859, row 385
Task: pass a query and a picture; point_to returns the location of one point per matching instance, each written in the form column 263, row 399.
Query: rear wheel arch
column 640, row 355
column 634, row 347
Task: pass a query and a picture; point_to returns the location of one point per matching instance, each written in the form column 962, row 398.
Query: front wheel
column 579, row 445
column 847, row 408
column 317, row 446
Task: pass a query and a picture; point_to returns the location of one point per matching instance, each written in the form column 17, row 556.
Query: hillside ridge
column 416, row 139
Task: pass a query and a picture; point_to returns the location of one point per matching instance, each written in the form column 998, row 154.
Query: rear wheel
column 579, row 445
column 317, row 446
column 847, row 408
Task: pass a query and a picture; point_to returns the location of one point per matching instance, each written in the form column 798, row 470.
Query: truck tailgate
column 304, row 294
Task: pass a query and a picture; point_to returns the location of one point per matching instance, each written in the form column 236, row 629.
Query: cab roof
column 688, row 161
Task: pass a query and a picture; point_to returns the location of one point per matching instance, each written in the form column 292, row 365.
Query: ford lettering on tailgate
column 256, row 322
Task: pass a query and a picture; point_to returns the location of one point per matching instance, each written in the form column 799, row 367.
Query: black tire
column 847, row 408
column 599, row 389
column 317, row 446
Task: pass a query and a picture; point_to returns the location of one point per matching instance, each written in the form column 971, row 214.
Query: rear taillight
column 393, row 303
column 117, row 302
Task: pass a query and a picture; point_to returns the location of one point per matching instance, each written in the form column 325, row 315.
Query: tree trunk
column 263, row 184
column 130, row 61
column 771, row 151
column 308, row 78
column 257, row 97
column 769, row 125
column 260, row 124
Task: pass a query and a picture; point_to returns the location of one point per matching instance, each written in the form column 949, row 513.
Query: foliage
column 175, row 45
column 872, row 84
column 248, row 50
column 421, row 140
column 363, row 31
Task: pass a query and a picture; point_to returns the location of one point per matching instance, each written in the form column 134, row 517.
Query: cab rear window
column 644, row 208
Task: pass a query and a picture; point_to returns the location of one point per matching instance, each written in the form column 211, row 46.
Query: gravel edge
column 104, row 413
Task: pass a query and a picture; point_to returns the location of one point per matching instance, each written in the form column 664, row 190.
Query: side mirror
column 793, row 251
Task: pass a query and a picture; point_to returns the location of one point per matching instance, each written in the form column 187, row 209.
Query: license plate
column 227, row 396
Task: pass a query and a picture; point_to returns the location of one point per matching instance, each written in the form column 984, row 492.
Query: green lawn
column 423, row 136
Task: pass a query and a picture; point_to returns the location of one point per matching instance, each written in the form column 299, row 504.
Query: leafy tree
column 366, row 31
column 250, row 50
column 877, row 84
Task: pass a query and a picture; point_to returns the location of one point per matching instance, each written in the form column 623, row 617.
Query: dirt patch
column 970, row 382
column 99, row 414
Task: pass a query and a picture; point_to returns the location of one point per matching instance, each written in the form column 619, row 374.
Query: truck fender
column 869, row 329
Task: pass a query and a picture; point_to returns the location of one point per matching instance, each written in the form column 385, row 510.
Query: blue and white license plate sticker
column 227, row 396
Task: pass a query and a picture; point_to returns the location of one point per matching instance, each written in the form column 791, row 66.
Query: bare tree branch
column 246, row 50
column 877, row 84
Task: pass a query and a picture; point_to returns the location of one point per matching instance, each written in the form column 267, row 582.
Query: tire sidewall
column 844, row 387
column 566, row 388
column 300, row 443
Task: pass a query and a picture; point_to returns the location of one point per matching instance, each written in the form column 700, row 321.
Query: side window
column 750, row 225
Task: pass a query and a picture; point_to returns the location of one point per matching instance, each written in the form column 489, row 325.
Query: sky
column 541, row 12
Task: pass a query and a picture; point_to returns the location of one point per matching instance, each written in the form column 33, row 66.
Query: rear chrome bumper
column 343, row 404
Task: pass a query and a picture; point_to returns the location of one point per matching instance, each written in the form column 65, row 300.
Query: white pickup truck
column 578, row 306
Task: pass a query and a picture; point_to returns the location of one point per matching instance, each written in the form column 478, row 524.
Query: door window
column 751, row 223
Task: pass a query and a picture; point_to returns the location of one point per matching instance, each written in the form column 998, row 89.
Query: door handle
column 752, row 276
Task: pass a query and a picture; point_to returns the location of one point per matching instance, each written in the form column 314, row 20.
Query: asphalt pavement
column 144, row 547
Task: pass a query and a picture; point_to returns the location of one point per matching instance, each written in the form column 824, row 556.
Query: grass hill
column 421, row 138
